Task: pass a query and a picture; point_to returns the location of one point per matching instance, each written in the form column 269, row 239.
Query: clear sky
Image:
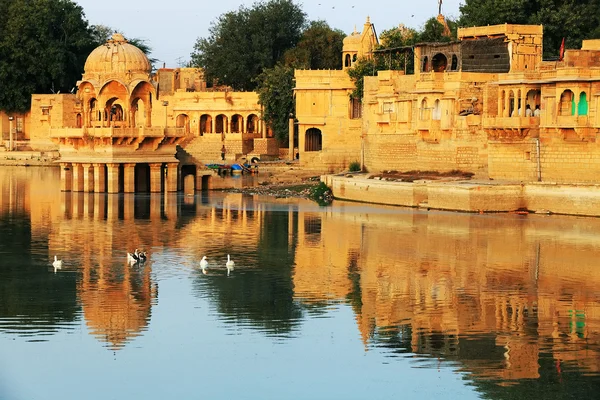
column 171, row 27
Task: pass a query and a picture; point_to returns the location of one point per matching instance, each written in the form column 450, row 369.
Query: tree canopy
column 244, row 42
column 573, row 20
column 320, row 47
column 276, row 95
column 43, row 47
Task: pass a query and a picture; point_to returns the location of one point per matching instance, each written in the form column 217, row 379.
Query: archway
column 439, row 63
column 424, row 112
column 252, row 124
column 205, row 124
column 425, row 67
column 347, row 62
column 313, row 140
column 567, row 103
column 221, row 124
column 236, row 123
column 138, row 116
column 437, row 111
column 582, row 107
column 183, row 121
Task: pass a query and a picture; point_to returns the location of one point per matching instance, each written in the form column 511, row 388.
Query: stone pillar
column 507, row 104
column 129, row 178
column 66, row 177
column 88, row 178
column 77, row 178
column 291, row 139
column 99, row 178
column 155, row 177
column 113, row 178
column 171, row 181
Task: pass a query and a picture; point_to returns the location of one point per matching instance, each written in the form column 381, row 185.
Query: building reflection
column 442, row 278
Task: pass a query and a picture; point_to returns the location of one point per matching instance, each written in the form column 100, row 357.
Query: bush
column 354, row 166
column 321, row 194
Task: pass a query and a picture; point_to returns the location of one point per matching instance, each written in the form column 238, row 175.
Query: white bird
column 203, row 264
column 57, row 264
column 133, row 258
column 229, row 264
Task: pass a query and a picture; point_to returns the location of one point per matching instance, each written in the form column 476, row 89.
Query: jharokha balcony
column 515, row 128
column 117, row 135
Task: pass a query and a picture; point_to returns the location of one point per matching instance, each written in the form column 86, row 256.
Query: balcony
column 511, row 122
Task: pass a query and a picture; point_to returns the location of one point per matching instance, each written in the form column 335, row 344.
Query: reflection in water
column 510, row 302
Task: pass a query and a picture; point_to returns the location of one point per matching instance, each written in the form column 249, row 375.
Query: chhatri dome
column 116, row 58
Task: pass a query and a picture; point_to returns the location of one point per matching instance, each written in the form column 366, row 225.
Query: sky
column 171, row 27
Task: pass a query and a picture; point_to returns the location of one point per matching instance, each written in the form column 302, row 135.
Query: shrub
column 354, row 166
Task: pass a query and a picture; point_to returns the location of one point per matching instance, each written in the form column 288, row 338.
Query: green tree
column 433, row 31
column 43, row 46
column 276, row 95
column 364, row 67
column 242, row 43
column 573, row 20
column 319, row 48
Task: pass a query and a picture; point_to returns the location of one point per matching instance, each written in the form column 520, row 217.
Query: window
column 582, row 108
column 19, row 124
column 355, row 109
column 388, row 107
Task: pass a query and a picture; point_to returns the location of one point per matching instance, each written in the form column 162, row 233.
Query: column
column 88, row 178
column 155, row 177
column 99, row 178
column 66, row 177
column 113, row 178
column 129, row 178
column 507, row 104
column 291, row 139
column 171, row 183
column 77, row 178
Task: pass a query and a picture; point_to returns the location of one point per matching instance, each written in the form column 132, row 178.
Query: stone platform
column 469, row 195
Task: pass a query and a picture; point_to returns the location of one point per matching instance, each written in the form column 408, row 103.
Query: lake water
column 345, row 302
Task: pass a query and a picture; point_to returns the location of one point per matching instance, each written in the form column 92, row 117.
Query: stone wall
column 470, row 196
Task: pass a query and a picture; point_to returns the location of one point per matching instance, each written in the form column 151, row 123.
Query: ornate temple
column 126, row 129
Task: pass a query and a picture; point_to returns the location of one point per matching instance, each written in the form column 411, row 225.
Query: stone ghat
column 470, row 196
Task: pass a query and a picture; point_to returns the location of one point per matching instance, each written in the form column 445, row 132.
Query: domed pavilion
column 114, row 146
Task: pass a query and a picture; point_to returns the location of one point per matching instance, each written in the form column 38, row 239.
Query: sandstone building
column 122, row 127
column 470, row 105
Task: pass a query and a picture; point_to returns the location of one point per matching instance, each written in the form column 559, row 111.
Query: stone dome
column 117, row 57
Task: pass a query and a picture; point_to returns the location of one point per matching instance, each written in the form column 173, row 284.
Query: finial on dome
column 117, row 37
column 368, row 19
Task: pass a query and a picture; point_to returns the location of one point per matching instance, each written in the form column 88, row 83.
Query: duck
column 57, row 264
column 133, row 258
column 142, row 256
column 203, row 264
column 229, row 264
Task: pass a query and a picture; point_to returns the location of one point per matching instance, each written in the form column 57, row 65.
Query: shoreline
column 287, row 179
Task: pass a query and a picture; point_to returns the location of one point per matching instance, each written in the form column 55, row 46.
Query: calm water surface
column 344, row 302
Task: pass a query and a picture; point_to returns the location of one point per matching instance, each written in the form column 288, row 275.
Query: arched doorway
column 221, row 124
column 439, row 63
column 205, row 124
column 313, row 140
column 236, row 123
column 183, row 121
